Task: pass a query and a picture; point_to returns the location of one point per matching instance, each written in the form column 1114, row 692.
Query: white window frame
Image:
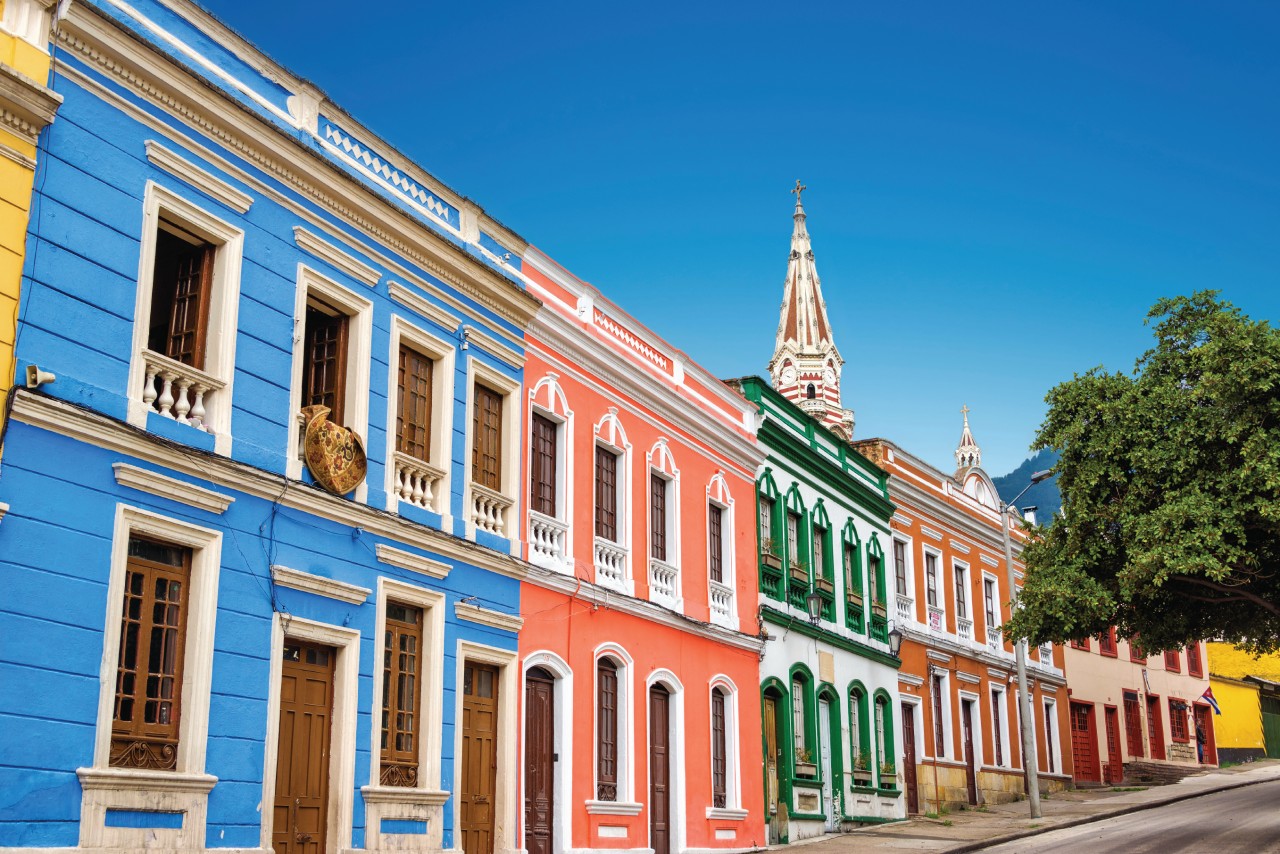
column 1049, row 707
column 948, row 731
column 626, row 803
column 917, row 706
column 442, row 354
column 224, row 305
column 732, row 809
column 610, row 436
column 909, row 555
column 359, row 313
column 547, row 398
column 659, row 461
column 995, row 582
column 1000, row 726
column 940, row 582
column 957, row 567
column 512, row 437
column 106, row 787
column 718, row 495
column 423, row 802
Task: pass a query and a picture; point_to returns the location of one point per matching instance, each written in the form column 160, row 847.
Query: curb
column 1103, row 816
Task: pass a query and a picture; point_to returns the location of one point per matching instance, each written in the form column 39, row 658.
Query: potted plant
column 861, row 769
column 877, row 608
column 805, row 766
column 854, row 598
column 799, row 572
column 826, row 585
column 888, row 775
column 769, row 554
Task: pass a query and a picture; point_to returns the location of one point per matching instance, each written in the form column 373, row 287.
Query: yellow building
column 1248, row 692
column 27, row 106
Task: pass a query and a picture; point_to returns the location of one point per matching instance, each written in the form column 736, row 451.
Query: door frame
column 507, row 805
column 675, row 760
column 342, row 735
column 975, row 725
column 562, row 696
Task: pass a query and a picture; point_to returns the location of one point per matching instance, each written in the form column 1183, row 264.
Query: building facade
column 1135, row 716
column 1247, row 690
column 949, row 590
column 261, row 547
column 639, row 647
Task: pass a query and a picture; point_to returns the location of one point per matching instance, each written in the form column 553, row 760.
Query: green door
column 1271, row 725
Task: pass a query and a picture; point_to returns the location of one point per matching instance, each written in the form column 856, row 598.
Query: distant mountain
column 1043, row 495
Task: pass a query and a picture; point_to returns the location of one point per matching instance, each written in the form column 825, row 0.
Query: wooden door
column 1115, row 763
column 659, row 770
column 1155, row 728
column 540, row 757
column 1133, row 726
column 769, row 715
column 302, row 755
column 909, row 757
column 1204, row 735
column 477, row 791
column 1270, row 725
column 1084, row 744
column 970, row 759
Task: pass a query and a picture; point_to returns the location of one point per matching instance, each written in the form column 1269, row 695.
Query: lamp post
column 813, row 604
column 1029, row 760
column 895, row 641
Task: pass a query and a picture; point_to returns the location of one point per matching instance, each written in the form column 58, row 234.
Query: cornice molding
column 971, row 678
column 404, row 795
column 487, row 617
column 197, row 177
column 910, row 679
column 411, row 300
column 802, row 626
column 493, row 347
column 26, row 107
column 171, row 488
column 335, row 257
column 296, row 579
column 412, row 562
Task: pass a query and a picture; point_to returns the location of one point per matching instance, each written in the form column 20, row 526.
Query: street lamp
column 895, row 641
column 813, row 603
column 1029, row 760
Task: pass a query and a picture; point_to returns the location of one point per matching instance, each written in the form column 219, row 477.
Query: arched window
column 884, row 741
column 719, row 749
column 606, row 730
column 810, row 392
column 860, row 753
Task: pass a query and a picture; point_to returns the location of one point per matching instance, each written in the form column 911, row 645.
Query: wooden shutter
column 715, row 534
column 657, row 516
column 153, row 630
column 401, row 719
column 324, row 353
column 181, row 284
column 486, row 438
column 1172, row 661
column 606, row 494
column 413, row 415
column 719, row 787
column 1194, row 666
column 542, row 465
column 1133, row 724
column 606, row 730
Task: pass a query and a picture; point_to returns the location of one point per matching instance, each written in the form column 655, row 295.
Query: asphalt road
column 1239, row 821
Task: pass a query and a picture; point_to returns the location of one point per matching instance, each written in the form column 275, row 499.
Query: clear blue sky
column 997, row 191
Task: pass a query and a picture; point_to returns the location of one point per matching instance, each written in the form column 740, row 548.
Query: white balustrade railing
column 906, row 610
column 177, row 391
column 935, row 618
column 547, row 538
column 415, row 481
column 721, row 602
column 993, row 639
column 964, row 629
column 489, row 510
column 663, row 581
column 1046, row 654
column 611, row 562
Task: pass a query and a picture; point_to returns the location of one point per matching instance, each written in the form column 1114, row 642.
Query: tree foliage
column 1170, row 480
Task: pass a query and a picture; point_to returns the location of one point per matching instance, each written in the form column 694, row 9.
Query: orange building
column 958, row 689
column 639, row 647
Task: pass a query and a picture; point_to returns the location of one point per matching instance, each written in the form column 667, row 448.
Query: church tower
column 805, row 368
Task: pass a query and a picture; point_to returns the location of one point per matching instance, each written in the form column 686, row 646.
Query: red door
column 1155, row 729
column 1204, row 735
column 1133, row 725
column 1115, row 762
column 1084, row 743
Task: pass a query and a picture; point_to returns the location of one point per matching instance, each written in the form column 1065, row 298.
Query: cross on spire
column 800, row 188
column 964, row 410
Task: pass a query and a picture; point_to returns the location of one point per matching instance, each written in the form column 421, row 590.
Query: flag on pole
column 1208, row 697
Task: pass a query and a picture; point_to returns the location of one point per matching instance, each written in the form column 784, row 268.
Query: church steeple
column 968, row 454
column 806, row 366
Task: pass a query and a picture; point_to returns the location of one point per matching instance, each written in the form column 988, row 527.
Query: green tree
column 1170, row 480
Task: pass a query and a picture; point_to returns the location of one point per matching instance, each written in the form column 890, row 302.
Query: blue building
column 199, row 645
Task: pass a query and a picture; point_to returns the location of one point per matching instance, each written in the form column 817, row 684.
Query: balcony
column 664, row 583
column 1046, row 654
column 178, row 391
column 994, row 643
column 964, row 629
column 489, row 510
column 547, row 538
column 936, row 623
column 611, row 564
column 721, row 602
column 415, row 482
column 906, row 609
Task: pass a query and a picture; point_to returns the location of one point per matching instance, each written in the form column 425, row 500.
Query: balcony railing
column 964, row 629
column 993, row 639
column 178, row 391
column 906, row 609
column 664, row 583
column 416, row 481
column 547, row 538
column 1046, row 654
column 489, row 510
column 611, row 563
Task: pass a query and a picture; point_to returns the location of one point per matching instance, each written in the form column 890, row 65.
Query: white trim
column 487, row 617
column 555, row 408
column 224, row 304
column 1000, row 727
column 296, row 579
column 626, row 742
column 443, row 407
column 909, row 555
column 359, row 313
column 563, row 722
column 732, row 769
column 335, row 257
column 609, row 434
column 948, row 730
column 910, row 679
column 493, row 347
column 506, row 787
column 402, row 559
column 202, row 180
column 676, row 819
column 958, row 565
column 976, row 719
column 415, row 301
column 940, row 582
column 342, row 735
column 426, row 802
column 1054, row 748
column 164, row 486
column 660, row 461
column 613, row 808
column 917, row 706
column 718, row 494
column 930, row 533
column 479, row 372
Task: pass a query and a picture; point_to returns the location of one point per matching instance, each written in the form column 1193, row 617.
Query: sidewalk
column 971, row 830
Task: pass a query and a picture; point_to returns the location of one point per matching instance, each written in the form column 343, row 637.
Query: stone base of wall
column 994, row 787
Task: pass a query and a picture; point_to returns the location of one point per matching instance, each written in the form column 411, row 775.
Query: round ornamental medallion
column 334, row 454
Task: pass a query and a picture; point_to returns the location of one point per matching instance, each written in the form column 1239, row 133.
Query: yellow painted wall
column 1226, row 660
column 1240, row 724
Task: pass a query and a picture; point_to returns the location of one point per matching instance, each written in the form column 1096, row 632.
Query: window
column 1050, row 740
column 719, row 752
column 1194, row 665
column 401, row 719
column 1155, row 727
column 962, row 591
column 793, row 538
column 798, row 734
column 858, row 745
column 324, row 353
column 657, row 516
column 1133, row 724
column 144, row 728
column 989, row 603
column 900, row 567
column 606, row 730
column 766, row 526
column 715, row 543
column 819, row 551
column 1178, row 720
column 413, row 415
column 1135, row 651
column 1172, row 661
column 181, row 284
column 1080, row 643
column 542, row 465
column 486, row 438
column 1107, row 642
column 931, row 580
column 810, row 392
column 939, row 737
column 997, row 725
column 606, row 494
column 875, row 565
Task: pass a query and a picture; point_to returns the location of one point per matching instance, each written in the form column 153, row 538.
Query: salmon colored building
column 958, row 689
column 639, row 648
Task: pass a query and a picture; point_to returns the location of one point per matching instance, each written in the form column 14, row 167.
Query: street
column 1244, row 820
